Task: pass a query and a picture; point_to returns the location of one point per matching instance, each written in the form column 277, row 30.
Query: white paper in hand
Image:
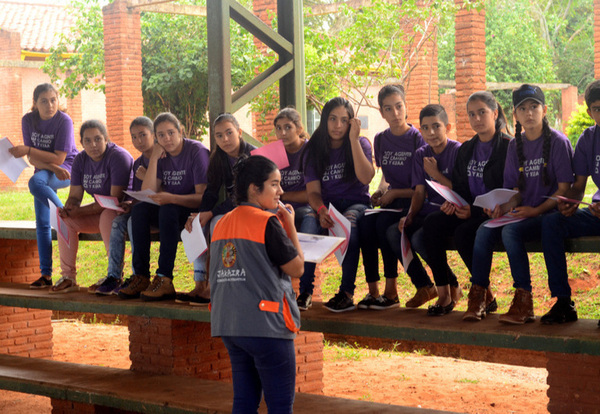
column 194, row 242
column 9, row 165
column 341, row 228
column 111, row 203
column 493, row 198
column 449, row 195
column 142, row 196
column 58, row 224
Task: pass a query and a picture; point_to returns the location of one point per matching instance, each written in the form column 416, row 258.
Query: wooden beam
column 132, row 4
column 497, row 86
column 335, row 7
column 182, row 9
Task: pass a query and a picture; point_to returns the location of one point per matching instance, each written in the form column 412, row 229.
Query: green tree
column 578, row 122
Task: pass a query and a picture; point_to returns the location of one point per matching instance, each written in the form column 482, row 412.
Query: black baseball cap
column 527, row 91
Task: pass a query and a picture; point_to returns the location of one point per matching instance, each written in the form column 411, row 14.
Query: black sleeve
column 279, row 247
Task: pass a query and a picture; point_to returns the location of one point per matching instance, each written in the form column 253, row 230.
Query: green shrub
column 579, row 121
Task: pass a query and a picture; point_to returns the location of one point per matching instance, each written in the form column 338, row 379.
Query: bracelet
column 321, row 208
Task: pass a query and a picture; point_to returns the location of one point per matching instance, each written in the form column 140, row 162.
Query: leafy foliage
column 579, row 121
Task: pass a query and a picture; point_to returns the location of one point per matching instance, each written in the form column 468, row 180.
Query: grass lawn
column 584, row 269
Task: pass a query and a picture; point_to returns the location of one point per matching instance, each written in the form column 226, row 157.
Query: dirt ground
column 395, row 378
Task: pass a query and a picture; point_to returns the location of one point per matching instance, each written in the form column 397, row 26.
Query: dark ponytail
column 546, row 150
column 520, row 155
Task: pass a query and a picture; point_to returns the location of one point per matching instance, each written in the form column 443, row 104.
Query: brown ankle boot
column 490, row 301
column 477, row 304
column 521, row 309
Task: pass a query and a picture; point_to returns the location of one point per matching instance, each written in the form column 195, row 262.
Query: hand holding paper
column 194, row 242
column 341, row 228
column 9, row 165
column 449, row 195
column 495, row 197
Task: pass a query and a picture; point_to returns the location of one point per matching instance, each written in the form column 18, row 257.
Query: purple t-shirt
column 180, row 174
column 140, row 162
column 586, row 161
column 481, row 155
column 394, row 154
column 559, row 167
column 445, row 163
column 333, row 185
column 97, row 177
column 292, row 178
column 54, row 134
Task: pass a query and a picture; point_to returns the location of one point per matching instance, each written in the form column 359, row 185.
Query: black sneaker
column 562, row 311
column 304, row 301
column 367, row 302
column 340, row 303
column 383, row 303
column 42, row 283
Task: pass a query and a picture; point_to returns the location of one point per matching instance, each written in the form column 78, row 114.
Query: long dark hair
column 219, row 163
column 490, row 101
column 319, row 145
column 250, row 170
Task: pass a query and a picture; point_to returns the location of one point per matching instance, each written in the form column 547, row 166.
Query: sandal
column 42, row 283
column 64, row 285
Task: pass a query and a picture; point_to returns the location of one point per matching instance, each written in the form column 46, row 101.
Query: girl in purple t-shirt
column 102, row 168
column 394, row 151
column 479, row 168
column 538, row 165
column 176, row 173
column 338, row 171
column 289, row 129
column 50, row 148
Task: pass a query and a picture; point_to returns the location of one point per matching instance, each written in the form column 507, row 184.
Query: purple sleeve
column 120, row 165
column 309, row 173
column 585, row 158
column 200, row 165
column 561, row 158
column 418, row 172
column 511, row 166
column 77, row 169
column 26, row 127
column 366, row 147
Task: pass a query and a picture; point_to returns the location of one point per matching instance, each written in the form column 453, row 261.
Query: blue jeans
column 417, row 273
column 262, row 365
column 513, row 237
column 306, row 222
column 43, row 185
column 555, row 229
column 121, row 226
column 170, row 219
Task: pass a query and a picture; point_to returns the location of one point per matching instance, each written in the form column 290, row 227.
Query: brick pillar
column 123, row 70
column 470, row 63
column 574, row 383
column 10, row 100
column 597, row 39
column 263, row 129
column 569, row 98
column 75, row 112
column 422, row 81
column 165, row 346
column 448, row 101
column 23, row 332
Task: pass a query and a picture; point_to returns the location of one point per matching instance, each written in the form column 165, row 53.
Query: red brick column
column 569, row 98
column 165, row 346
column 597, row 39
column 263, row 130
column 448, row 101
column 123, row 70
column 422, row 82
column 470, row 64
column 574, row 383
column 10, row 99
column 23, row 332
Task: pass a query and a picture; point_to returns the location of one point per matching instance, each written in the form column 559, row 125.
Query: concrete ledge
column 165, row 394
column 581, row 337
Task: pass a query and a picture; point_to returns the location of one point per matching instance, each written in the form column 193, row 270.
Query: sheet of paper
column 275, row 151
column 194, row 242
column 405, row 246
column 58, row 224
column 142, row 196
column 341, row 228
column 316, row 248
column 9, row 165
column 493, row 198
column 449, row 195
column 370, row 211
column 111, row 203
column 502, row 221
column 569, row 200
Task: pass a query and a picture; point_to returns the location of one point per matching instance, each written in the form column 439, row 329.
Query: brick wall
column 573, row 390
column 123, row 70
column 23, row 332
column 263, row 130
column 597, row 39
column 422, row 82
column 470, row 64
